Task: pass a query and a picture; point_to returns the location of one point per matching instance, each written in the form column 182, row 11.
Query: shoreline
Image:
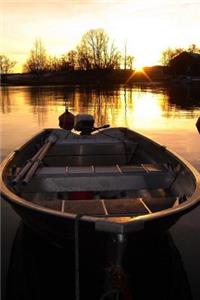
column 92, row 77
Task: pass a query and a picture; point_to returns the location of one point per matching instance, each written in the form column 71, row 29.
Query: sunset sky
column 148, row 26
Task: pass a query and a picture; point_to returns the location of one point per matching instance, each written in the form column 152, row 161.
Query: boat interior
column 109, row 173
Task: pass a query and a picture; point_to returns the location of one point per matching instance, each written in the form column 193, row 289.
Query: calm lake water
column 165, row 114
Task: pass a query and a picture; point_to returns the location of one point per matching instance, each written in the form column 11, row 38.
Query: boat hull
column 60, row 228
column 62, row 231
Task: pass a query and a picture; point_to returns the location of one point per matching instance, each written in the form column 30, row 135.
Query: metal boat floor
column 108, row 207
column 97, row 207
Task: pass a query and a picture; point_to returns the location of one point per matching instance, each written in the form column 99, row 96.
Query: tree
column 6, row 65
column 193, row 49
column 125, row 55
column 65, row 62
column 96, row 52
column 129, row 62
column 168, row 54
column 53, row 64
column 38, row 60
column 72, row 59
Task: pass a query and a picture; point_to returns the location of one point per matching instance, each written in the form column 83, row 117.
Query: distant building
column 185, row 63
column 157, row 72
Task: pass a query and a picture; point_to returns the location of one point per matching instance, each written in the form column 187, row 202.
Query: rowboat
column 111, row 181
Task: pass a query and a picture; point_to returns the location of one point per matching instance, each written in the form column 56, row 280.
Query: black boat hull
column 61, row 231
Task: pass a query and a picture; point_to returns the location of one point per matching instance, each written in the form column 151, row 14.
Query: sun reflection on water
column 143, row 109
column 146, row 111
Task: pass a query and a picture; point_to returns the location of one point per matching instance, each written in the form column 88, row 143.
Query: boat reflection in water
column 152, row 269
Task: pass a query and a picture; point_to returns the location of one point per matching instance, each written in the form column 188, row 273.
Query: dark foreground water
column 164, row 268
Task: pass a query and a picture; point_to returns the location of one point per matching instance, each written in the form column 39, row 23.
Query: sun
column 138, row 66
column 139, row 69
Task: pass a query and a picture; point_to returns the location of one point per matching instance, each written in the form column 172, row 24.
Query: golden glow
column 139, row 71
column 147, row 110
column 149, row 27
column 138, row 67
column 142, row 110
column 144, row 59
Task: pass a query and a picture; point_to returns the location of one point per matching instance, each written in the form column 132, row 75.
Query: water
column 165, row 114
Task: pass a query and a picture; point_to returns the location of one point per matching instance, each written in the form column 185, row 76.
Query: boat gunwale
column 187, row 205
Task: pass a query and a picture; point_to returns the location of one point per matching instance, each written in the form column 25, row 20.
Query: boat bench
column 100, row 178
column 90, row 151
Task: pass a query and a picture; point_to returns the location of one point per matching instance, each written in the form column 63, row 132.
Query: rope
column 115, row 291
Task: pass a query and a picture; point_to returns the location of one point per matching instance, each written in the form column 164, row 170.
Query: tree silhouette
column 6, row 65
column 72, row 59
column 129, row 62
column 53, row 64
column 128, row 59
column 66, row 62
column 38, row 60
column 193, row 49
column 168, row 54
column 95, row 51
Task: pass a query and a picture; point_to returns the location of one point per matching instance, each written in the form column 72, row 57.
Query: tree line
column 168, row 54
column 95, row 51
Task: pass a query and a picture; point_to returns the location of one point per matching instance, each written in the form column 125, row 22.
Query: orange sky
column 148, row 26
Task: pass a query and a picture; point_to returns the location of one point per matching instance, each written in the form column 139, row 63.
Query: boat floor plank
column 51, row 204
column 113, row 207
column 90, row 207
column 159, row 203
column 124, row 206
